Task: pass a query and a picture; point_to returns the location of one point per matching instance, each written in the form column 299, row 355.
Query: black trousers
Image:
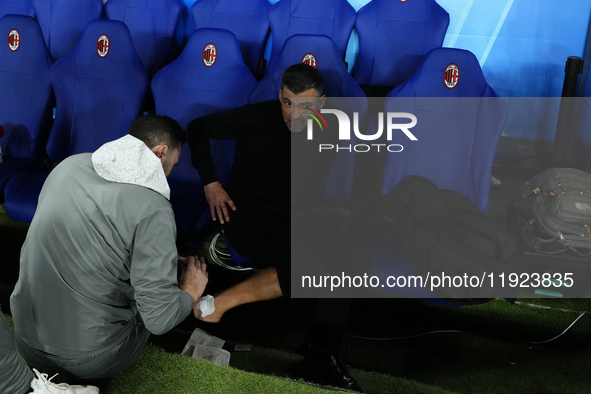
column 319, row 241
column 260, row 232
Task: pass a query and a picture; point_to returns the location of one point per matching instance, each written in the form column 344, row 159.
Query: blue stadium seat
column 99, row 88
column 62, row 22
column 321, row 52
column 394, row 37
column 19, row 7
column 333, row 18
column 153, row 25
column 459, row 122
column 457, row 109
column 247, row 19
column 25, row 97
column 208, row 77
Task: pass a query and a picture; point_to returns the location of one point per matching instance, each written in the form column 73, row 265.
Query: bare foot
column 213, row 318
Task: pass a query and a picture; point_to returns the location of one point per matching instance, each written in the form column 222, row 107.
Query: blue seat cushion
column 22, row 194
column 13, row 167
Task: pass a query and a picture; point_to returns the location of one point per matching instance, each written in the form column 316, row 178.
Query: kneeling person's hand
column 195, row 277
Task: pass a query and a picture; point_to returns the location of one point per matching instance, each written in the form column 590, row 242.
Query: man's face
column 293, row 115
column 170, row 159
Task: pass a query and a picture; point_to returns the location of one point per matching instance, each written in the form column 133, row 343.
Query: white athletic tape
column 206, row 305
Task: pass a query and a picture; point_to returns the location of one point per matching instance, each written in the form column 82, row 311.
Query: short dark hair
column 157, row 130
column 301, row 77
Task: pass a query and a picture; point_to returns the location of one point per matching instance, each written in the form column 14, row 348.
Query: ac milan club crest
column 451, row 76
column 103, row 45
column 210, row 55
column 14, row 40
column 310, row 60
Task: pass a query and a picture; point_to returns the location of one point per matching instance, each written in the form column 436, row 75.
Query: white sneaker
column 42, row 385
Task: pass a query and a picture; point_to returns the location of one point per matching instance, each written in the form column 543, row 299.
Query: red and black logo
column 451, row 76
column 14, row 40
column 210, row 55
column 310, row 60
column 103, row 45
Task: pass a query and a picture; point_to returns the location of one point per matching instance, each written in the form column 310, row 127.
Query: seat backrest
column 62, row 22
column 153, row 26
column 19, row 7
column 247, row 19
column 99, row 88
column 317, row 51
column 208, row 77
column 332, row 18
column 25, row 96
column 394, row 37
column 459, row 122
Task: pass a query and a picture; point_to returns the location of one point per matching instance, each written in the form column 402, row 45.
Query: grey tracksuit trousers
column 15, row 375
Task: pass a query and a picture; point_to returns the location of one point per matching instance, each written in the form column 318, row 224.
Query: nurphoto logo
column 345, row 130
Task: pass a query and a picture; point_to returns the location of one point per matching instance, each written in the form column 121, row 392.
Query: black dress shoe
column 328, row 369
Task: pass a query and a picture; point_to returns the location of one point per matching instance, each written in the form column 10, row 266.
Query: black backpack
column 557, row 206
column 441, row 231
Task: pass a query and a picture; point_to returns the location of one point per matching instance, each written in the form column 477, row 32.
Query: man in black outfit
column 258, row 207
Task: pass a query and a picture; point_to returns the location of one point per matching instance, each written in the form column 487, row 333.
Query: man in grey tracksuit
column 98, row 270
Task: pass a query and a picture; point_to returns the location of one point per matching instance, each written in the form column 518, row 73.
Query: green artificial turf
column 438, row 364
column 535, row 319
column 156, row 371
